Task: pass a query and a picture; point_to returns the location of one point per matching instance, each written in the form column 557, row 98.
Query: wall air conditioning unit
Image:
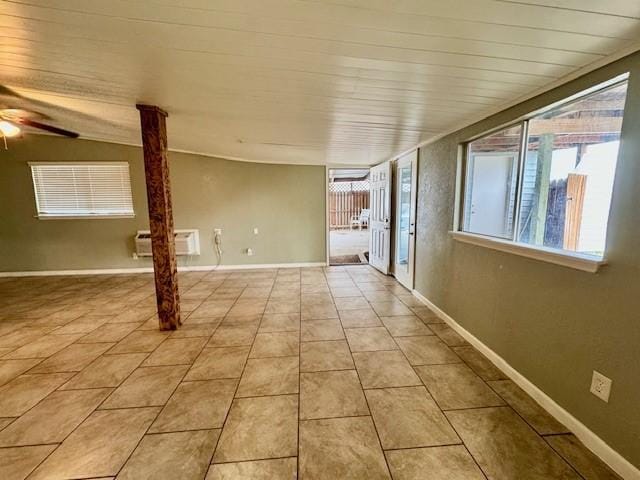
column 187, row 242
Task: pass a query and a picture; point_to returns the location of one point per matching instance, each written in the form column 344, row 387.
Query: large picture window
column 547, row 181
column 82, row 189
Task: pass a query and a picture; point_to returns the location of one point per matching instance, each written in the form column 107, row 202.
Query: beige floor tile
column 331, row 394
column 448, row 335
column 390, row 309
column 426, row 350
column 177, row 455
column 426, row 315
column 580, row 458
column 280, row 322
column 351, row 302
column 344, row 448
column 506, row 447
column 85, row 324
column 322, row 356
column 282, row 306
column 10, row 369
column 309, row 299
column 218, row 308
column 409, row 300
column 17, row 463
column 140, row 342
column 479, row 364
column 147, row 387
column 408, row 417
column 345, row 292
column 369, row 339
column 384, row 369
column 25, row 391
column 18, row 338
column 218, row 363
column 318, row 312
column 269, row 376
column 43, row 347
column 405, row 326
column 233, row 336
column 360, row 318
column 193, row 331
column 73, row 358
column 179, row 351
column 193, row 321
column 5, row 421
column 259, row 428
column 247, row 307
column 198, row 405
column 320, row 330
column 106, row 371
column 527, row 407
column 90, row 450
column 276, row 469
column 252, row 320
column 53, row 418
column 276, row 344
column 456, row 386
column 442, row 463
column 109, row 332
column 136, row 314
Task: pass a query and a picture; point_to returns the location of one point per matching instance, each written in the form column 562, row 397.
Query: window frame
column 567, row 258
column 114, row 216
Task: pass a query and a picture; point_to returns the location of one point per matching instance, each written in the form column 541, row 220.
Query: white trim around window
column 565, row 258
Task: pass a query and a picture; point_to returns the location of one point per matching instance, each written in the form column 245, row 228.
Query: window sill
column 81, row 217
column 566, row 259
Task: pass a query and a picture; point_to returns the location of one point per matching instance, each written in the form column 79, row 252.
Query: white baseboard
column 617, row 462
column 195, row 268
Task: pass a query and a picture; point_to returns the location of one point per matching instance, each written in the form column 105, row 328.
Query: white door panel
column 380, row 220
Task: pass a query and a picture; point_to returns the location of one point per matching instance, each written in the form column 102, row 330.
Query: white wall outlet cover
column 217, row 231
column 249, row 252
column 255, row 230
column 601, row 386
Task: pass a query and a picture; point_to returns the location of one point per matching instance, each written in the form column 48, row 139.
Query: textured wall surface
column 552, row 324
column 285, row 202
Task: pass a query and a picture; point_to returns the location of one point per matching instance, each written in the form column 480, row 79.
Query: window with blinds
column 82, row 189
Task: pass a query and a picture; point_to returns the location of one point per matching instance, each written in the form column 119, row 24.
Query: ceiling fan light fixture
column 8, row 129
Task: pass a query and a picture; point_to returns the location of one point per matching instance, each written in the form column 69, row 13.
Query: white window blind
column 82, row 189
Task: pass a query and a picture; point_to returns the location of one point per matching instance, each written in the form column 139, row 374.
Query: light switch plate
column 601, row 386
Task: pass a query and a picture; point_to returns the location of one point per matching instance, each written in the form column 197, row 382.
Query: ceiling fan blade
column 48, row 128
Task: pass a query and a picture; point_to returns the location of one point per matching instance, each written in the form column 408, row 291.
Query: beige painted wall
column 285, row 202
column 552, row 324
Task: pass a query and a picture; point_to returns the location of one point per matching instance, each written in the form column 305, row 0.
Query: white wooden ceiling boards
column 298, row 81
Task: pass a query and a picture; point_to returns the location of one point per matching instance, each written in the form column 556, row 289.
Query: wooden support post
column 156, row 169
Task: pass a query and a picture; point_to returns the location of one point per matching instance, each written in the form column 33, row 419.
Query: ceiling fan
column 15, row 113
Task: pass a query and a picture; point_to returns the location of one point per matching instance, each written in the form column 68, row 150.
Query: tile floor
column 316, row 373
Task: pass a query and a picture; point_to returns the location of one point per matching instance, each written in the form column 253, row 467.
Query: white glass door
column 405, row 218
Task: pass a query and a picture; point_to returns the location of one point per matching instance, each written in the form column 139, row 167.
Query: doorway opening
column 348, row 216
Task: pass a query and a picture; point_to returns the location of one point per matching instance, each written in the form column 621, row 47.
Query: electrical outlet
column 255, row 230
column 600, row 386
column 249, row 252
column 217, row 231
column 135, row 256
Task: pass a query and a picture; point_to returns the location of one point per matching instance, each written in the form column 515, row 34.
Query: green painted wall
column 285, row 202
column 552, row 324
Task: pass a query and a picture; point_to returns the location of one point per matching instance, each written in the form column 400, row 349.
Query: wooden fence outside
column 344, row 205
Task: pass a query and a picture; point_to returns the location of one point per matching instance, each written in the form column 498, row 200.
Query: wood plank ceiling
column 297, row 81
